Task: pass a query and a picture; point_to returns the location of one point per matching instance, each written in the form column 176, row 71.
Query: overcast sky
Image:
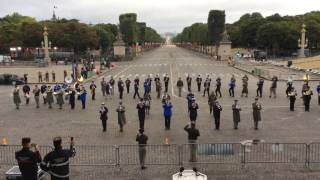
column 163, row 15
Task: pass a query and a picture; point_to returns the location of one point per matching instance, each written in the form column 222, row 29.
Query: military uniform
column 232, row 86
column 28, row 163
column 216, row 114
column 50, row 97
column 189, row 81
column 256, row 107
column 60, row 100
column 128, row 82
column 158, row 89
column 199, row 80
column 93, row 91
column 218, row 86
column 103, row 84
column 180, row 86
column 121, row 116
column 211, row 100
column 120, row 88
column 260, row 87
column 245, row 80
column 206, row 86
column 236, row 115
column 36, row 92
column 307, row 98
column 16, row 97
column 166, row 83
column 292, row 97
column 136, row 90
column 43, row 90
column 273, row 87
column 104, row 117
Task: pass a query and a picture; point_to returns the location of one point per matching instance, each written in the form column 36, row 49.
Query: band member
column 121, row 116
column 189, row 81
column 120, row 88
column 112, row 82
column 36, row 92
column 16, row 96
column 53, row 76
column 72, row 97
column 206, row 86
column 137, row 80
column 273, row 88
column 40, row 77
column 50, row 96
column 43, row 89
column 256, row 107
column 289, row 87
column 56, row 162
column 211, row 100
column 292, row 97
column 104, row 116
column 47, row 76
column 236, row 114
column 199, row 80
column 103, row 84
column 147, row 103
column 108, row 89
column 93, row 90
column 60, row 100
column 166, row 97
column 65, row 74
column 190, row 98
column 83, row 97
column 218, row 87
column 158, row 88
column 245, row 80
column 141, row 113
column 166, row 82
column 167, row 112
column 216, row 114
column 307, row 93
column 260, row 87
column 26, row 90
column 28, row 160
column 146, row 87
column 193, row 110
column 136, row 90
column 232, row 85
column 157, row 78
column 180, row 86
column 128, row 83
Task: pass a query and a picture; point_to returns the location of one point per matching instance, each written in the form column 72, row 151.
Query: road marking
column 171, row 80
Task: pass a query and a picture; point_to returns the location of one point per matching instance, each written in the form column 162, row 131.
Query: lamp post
column 302, row 42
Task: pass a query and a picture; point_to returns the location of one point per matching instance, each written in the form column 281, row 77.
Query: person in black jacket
column 193, row 110
column 142, row 139
column 104, row 116
column 141, row 113
column 120, row 88
column 72, row 97
column 28, row 160
column 216, row 114
column 26, row 90
column 193, row 135
column 136, row 90
column 43, row 90
column 56, row 162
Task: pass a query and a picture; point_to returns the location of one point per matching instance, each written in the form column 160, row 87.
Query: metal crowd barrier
column 181, row 155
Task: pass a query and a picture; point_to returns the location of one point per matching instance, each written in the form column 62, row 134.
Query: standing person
column 16, row 97
column 236, row 114
column 53, row 76
column 60, row 100
column 158, row 88
column 36, row 92
column 128, row 83
column 289, row 86
column 165, row 97
column 189, row 81
column 72, row 97
column 26, row 90
column 307, row 93
column 166, row 82
column 50, row 96
column 206, row 86
column 83, row 97
column 157, row 78
column 56, row 162
column 292, row 97
column 167, row 112
column 40, row 77
column 47, row 76
column 318, row 91
column 28, row 160
column 108, row 89
column 43, row 90
column 141, row 113
column 103, row 84
column 120, row 88
column 256, row 107
column 142, row 139
column 260, row 87
column 136, row 90
column 232, row 85
column 245, row 80
column 149, row 80
column 180, row 86
column 121, row 116
column 199, row 80
column 112, row 82
column 147, row 103
column 93, row 90
column 190, row 97
column 65, row 74
column 218, row 86
column 273, row 88
column 211, row 100
column 193, row 135
column 25, row 77
column 145, row 87
column 137, row 80
column 104, row 116
column 216, row 114
column 193, row 110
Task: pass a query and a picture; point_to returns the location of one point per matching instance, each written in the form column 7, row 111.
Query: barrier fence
column 185, row 154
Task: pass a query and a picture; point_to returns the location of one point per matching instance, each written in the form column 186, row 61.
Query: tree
column 216, row 26
column 128, row 27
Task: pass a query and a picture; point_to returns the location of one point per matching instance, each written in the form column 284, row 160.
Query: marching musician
column 59, row 96
column 232, row 85
column 50, row 96
column 166, row 82
column 199, row 80
column 216, row 114
column 26, row 90
column 245, row 80
column 236, row 114
column 120, row 88
column 112, row 82
column 128, row 82
column 104, row 116
column 103, row 85
column 189, row 80
column 72, row 97
column 83, row 97
column 93, row 90
column 16, row 96
column 292, row 97
column 36, row 92
column 206, row 86
column 43, row 90
column 158, row 88
column 218, row 87
column 256, row 107
column 121, row 116
column 193, row 110
column 307, row 93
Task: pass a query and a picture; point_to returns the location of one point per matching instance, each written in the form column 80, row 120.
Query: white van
column 5, row 59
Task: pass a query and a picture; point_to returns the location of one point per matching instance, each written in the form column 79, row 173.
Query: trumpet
column 80, row 79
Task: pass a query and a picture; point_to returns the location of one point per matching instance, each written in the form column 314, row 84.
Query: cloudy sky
column 163, row 15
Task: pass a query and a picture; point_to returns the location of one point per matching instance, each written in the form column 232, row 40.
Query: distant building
column 54, row 17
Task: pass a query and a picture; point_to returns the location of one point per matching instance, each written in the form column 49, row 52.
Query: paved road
column 278, row 123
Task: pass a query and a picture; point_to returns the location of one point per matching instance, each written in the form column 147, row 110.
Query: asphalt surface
column 278, row 123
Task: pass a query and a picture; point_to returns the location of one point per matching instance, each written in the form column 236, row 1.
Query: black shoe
column 143, row 167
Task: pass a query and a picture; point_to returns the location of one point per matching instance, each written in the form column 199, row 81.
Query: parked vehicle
column 260, row 55
column 10, row 79
column 5, row 59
